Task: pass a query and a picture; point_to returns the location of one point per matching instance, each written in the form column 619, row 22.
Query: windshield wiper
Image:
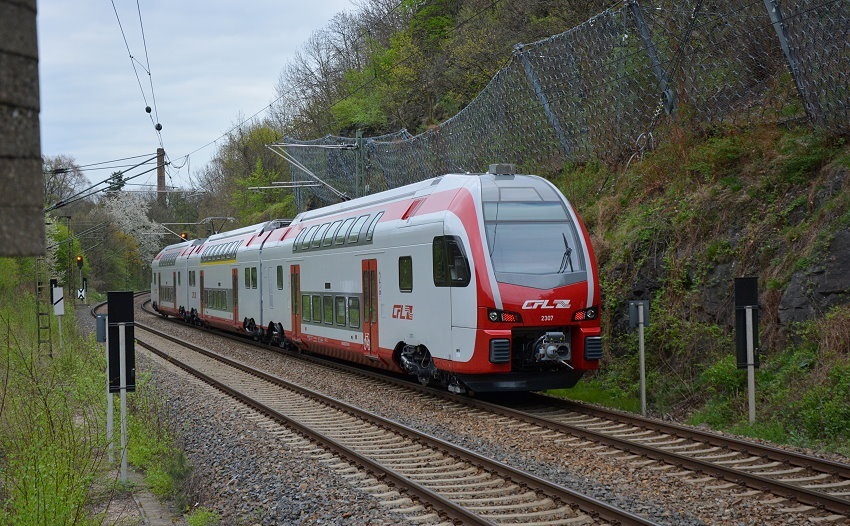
column 566, row 259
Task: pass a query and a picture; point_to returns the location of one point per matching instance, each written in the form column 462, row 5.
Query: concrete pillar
column 21, row 180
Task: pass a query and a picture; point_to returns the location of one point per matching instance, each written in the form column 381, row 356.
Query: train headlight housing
column 590, row 313
column 501, row 316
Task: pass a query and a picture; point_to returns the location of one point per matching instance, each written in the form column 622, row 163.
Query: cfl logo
column 545, row 304
column 403, row 312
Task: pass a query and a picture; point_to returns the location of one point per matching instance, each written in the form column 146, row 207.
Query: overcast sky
column 212, row 63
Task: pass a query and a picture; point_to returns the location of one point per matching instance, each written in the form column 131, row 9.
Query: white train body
column 482, row 282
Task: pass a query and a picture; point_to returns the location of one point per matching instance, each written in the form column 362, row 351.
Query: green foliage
column 51, row 441
column 151, row 446
column 203, row 517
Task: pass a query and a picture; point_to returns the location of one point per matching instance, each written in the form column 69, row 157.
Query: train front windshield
column 531, row 237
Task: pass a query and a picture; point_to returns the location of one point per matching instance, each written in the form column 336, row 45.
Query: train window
column 305, row 243
column 343, row 231
column 340, row 310
column 317, row 308
column 451, row 268
column 253, row 277
column 179, row 277
column 354, row 312
column 328, row 309
column 320, row 235
column 191, row 278
column 305, row 306
column 298, row 238
column 371, row 230
column 329, row 235
column 279, row 277
column 405, row 274
column 355, row 230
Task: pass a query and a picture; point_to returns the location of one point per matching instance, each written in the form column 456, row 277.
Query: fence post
column 660, row 74
column 531, row 75
column 778, row 21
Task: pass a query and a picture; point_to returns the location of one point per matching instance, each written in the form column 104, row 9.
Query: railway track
column 461, row 484
column 807, row 484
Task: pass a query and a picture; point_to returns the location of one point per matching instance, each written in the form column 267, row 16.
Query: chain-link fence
column 602, row 90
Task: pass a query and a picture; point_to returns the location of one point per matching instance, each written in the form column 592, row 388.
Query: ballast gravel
column 252, row 476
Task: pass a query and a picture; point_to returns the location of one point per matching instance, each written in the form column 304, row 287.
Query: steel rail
column 593, row 507
column 817, row 499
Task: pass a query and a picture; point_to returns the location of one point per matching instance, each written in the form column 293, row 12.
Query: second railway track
column 583, row 430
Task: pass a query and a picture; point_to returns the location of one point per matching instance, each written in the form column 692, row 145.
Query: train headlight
column 497, row 316
column 590, row 313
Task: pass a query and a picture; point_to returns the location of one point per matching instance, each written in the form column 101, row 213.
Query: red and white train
column 483, row 282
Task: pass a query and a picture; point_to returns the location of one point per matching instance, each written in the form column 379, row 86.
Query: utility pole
column 160, row 176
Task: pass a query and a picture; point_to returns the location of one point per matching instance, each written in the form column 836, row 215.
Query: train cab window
column 372, row 224
column 340, row 310
column 320, row 235
column 179, row 277
column 253, row 277
column 305, row 307
column 331, row 232
column 405, row 274
column 343, row 231
column 279, row 277
column 328, row 309
column 354, row 236
column 354, row 312
column 191, row 278
column 451, row 267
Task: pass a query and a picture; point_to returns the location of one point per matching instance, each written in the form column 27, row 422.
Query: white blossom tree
column 129, row 213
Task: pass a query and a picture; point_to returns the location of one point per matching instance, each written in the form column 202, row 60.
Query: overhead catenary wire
column 146, row 67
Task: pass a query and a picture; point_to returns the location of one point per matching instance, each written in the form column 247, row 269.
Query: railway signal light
column 79, row 261
column 184, row 235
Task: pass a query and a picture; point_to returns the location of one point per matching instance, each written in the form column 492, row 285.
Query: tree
column 128, row 213
column 62, row 178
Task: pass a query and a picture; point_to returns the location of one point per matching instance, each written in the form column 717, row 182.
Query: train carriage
column 480, row 282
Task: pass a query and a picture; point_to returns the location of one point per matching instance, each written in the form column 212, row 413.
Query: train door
column 201, row 292
column 370, row 306
column 295, row 299
column 235, row 275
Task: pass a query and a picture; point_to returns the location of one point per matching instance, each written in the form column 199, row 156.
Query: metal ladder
column 43, row 309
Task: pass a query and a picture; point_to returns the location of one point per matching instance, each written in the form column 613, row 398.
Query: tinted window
column 371, row 230
column 354, row 312
column 329, row 235
column 451, row 268
column 340, row 309
column 405, row 274
column 305, row 306
column 317, row 239
column 355, row 230
column 343, row 231
column 328, row 309
column 317, row 308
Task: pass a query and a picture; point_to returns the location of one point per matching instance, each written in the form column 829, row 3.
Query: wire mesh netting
column 601, row 89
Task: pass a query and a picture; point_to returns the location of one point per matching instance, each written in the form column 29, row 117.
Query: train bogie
column 480, row 282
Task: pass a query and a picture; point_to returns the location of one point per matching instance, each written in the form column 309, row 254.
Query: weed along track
column 449, row 481
column 667, row 473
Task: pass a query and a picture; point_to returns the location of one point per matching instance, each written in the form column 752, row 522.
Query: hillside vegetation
column 677, row 227
column 766, row 198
